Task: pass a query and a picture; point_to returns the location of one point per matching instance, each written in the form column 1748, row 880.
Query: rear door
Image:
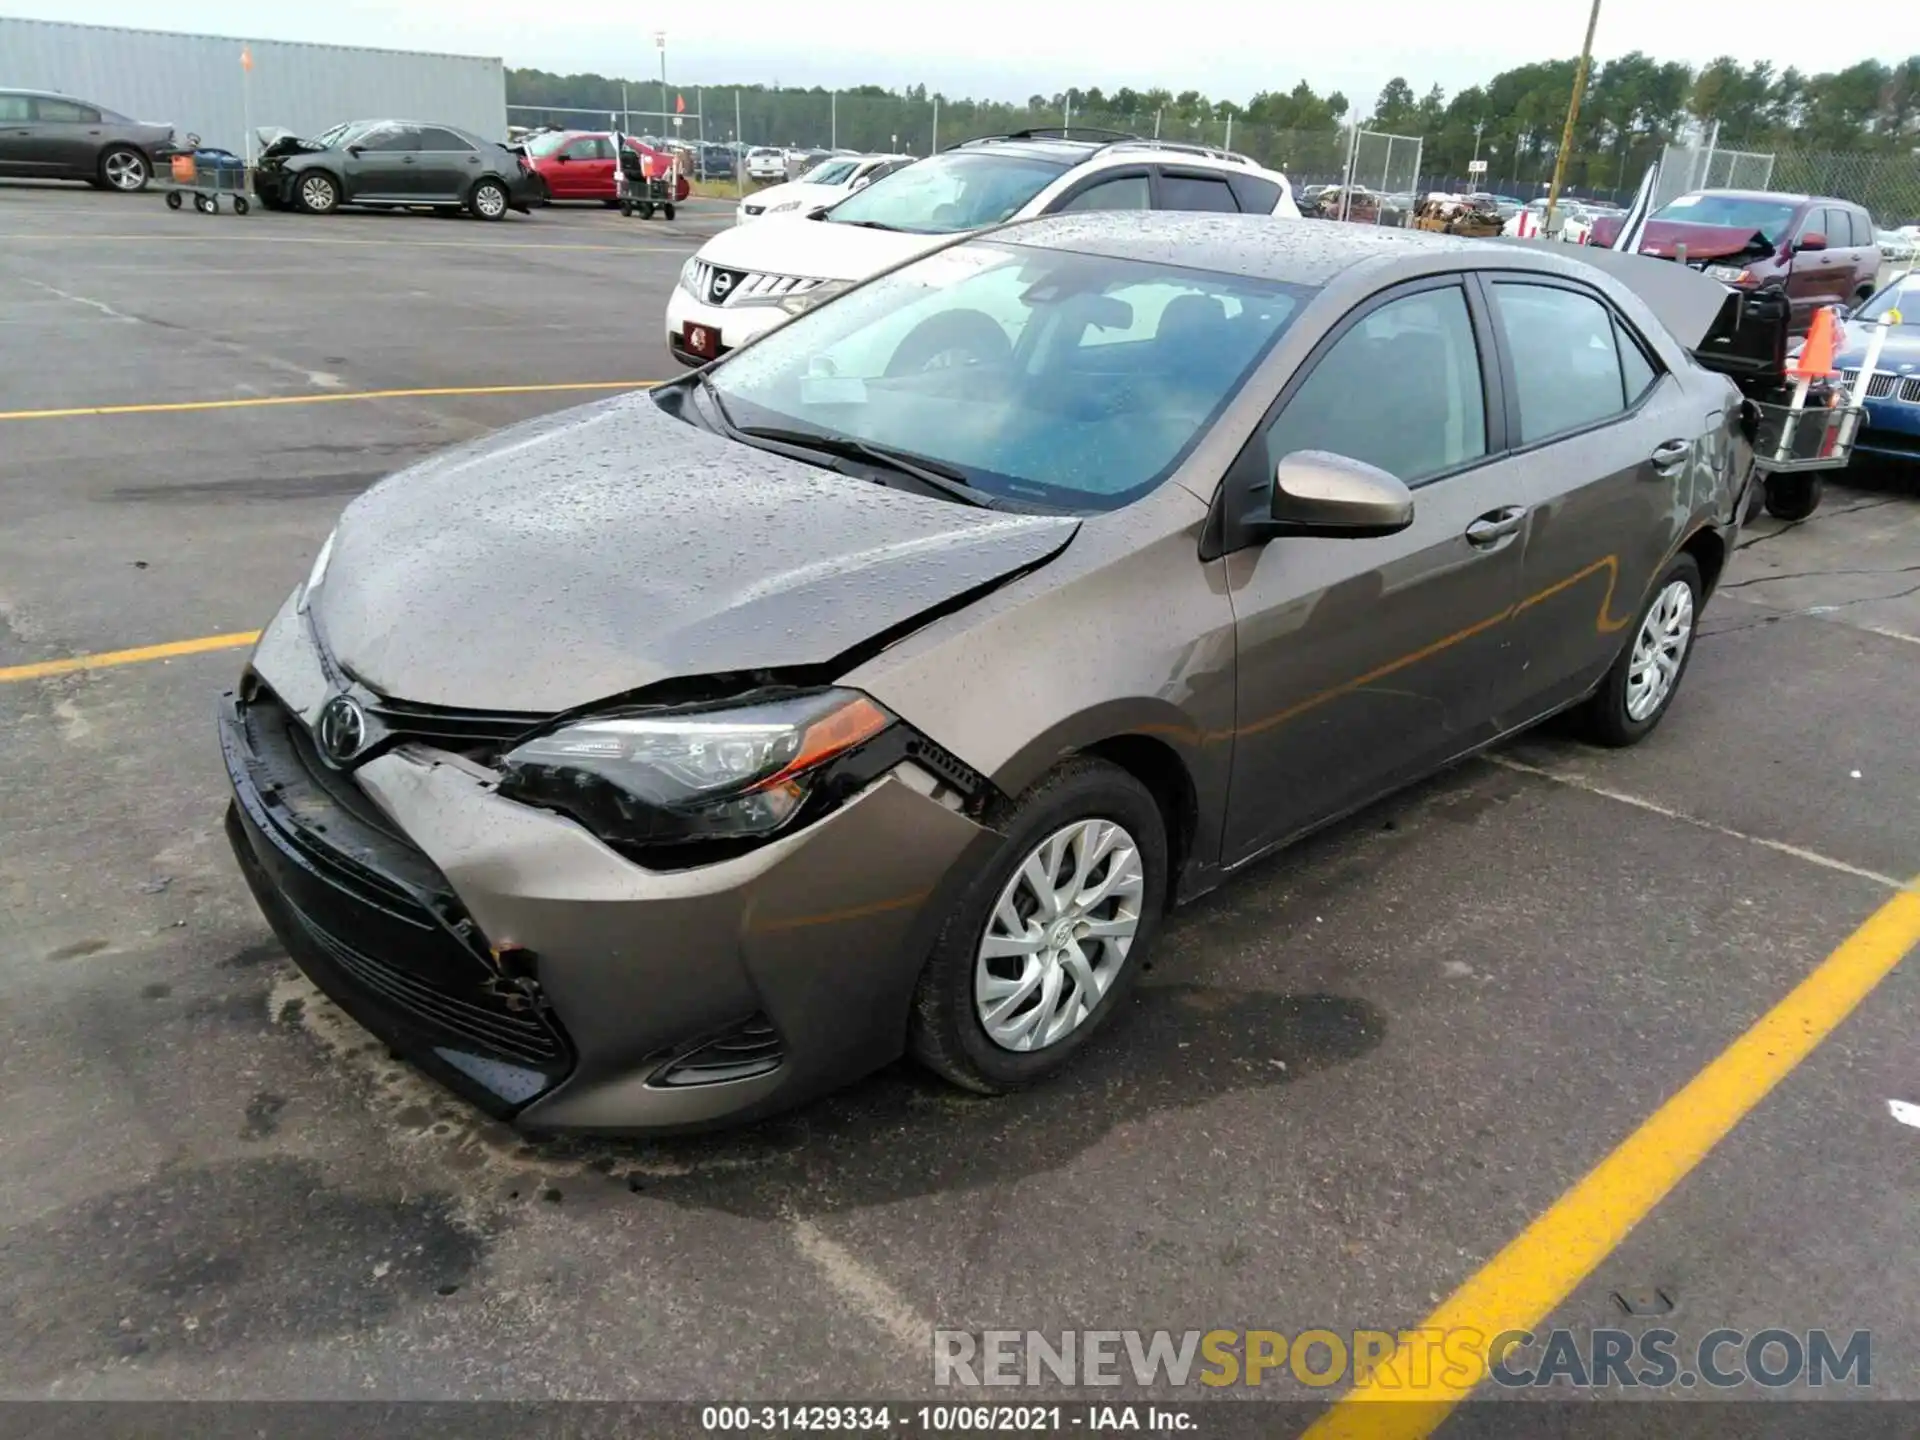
column 1363, row 663
column 18, row 154
column 447, row 164
column 1607, row 443
column 66, row 138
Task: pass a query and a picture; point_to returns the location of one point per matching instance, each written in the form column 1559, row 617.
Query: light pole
column 1479, row 125
column 1573, row 114
column 660, row 40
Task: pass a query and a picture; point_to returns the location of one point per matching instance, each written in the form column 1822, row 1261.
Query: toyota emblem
column 341, row 730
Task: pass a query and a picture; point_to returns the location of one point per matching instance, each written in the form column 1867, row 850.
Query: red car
column 578, row 164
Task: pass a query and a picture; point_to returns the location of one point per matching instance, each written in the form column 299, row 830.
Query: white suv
column 747, row 280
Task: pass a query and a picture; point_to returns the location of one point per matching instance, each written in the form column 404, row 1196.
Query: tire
column 666, row 212
column 173, row 199
column 240, row 206
column 645, row 208
column 946, row 1031
column 1793, row 497
column 317, row 192
column 952, row 337
column 203, row 204
column 488, row 200
column 125, row 169
column 611, row 204
column 1609, row 717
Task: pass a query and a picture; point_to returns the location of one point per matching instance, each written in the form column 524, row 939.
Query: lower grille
column 749, row 1049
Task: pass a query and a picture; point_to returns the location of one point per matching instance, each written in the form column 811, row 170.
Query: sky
column 1009, row 49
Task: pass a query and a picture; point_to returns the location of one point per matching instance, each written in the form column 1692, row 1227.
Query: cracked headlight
column 819, row 295
column 669, row 777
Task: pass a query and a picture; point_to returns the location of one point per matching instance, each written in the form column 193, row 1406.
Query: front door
column 1607, row 443
column 383, row 164
column 1365, row 662
column 1818, row 277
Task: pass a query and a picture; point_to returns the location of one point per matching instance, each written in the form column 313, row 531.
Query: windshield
column 945, row 194
column 1903, row 297
column 834, row 172
column 1770, row 217
column 327, row 139
column 1059, row 379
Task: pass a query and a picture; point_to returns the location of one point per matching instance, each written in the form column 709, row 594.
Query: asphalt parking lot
column 1350, row 1081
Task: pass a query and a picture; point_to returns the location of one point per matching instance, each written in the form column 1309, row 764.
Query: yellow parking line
column 323, row 398
column 41, row 669
column 1527, row 1281
column 161, row 237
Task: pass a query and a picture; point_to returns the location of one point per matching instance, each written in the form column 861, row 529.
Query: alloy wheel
column 317, row 193
column 125, row 170
column 1659, row 649
column 490, row 201
column 1059, row 934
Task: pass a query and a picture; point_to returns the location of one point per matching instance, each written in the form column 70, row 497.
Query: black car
column 389, row 164
column 48, row 136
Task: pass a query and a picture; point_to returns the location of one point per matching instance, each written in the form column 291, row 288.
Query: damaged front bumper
column 509, row 953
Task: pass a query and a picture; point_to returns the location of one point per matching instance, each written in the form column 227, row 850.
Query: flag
column 1634, row 228
column 246, row 59
column 679, row 104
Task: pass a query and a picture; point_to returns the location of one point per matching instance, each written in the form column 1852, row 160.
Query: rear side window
column 1566, row 362
column 65, row 112
column 15, row 108
column 1400, row 390
column 1862, row 227
column 1196, row 192
column 1637, row 373
column 1123, row 192
column 434, row 138
column 1256, row 196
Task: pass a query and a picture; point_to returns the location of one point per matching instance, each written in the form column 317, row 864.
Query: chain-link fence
column 1385, row 178
column 1686, row 168
column 1887, row 185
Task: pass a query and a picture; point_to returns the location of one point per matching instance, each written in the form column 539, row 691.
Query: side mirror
column 1812, row 240
column 356, row 151
column 863, row 182
column 1316, row 492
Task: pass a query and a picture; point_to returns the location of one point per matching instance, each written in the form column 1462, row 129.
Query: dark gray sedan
column 670, row 760
column 48, row 136
column 391, row 165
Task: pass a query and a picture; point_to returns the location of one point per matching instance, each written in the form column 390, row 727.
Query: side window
column 14, row 109
column 65, row 112
column 585, row 148
column 1818, row 222
column 1196, row 192
column 1862, row 227
column 1256, row 196
column 1637, row 372
column 389, row 137
column 1401, row 390
column 434, row 138
column 1123, row 192
column 1566, row 366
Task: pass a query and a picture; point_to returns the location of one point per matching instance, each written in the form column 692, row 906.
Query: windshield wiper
column 867, row 224
column 945, row 479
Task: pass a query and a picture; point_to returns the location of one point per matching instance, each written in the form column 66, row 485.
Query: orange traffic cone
column 1815, row 360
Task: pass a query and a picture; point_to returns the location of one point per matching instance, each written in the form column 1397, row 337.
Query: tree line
column 1633, row 105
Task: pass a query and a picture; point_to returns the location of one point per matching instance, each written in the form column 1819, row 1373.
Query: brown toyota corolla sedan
column 878, row 688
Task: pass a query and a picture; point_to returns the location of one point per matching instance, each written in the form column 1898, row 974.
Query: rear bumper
column 629, row 1000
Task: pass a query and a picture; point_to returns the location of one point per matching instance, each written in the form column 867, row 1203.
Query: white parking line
column 865, row 1288
column 1580, row 782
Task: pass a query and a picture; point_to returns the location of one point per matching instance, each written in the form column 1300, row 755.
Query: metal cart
column 636, row 191
column 207, row 176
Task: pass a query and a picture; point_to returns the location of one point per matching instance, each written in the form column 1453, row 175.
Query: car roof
column 1780, row 195
column 1294, row 252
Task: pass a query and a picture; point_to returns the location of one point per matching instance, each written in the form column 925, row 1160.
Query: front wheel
column 125, row 169
column 1646, row 677
column 489, row 200
column 318, row 194
column 173, row 200
column 1047, row 939
column 1793, row 497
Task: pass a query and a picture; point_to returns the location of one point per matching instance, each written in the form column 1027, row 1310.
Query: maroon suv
column 1821, row 250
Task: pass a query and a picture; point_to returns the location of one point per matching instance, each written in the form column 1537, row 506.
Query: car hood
column 815, row 249
column 1703, row 242
column 589, row 554
column 1899, row 354
column 794, row 190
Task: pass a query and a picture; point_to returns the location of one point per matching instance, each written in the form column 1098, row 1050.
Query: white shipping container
column 197, row 84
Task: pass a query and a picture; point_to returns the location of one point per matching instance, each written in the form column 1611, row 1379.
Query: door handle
column 406, row 159
column 1670, row 453
column 1496, row 525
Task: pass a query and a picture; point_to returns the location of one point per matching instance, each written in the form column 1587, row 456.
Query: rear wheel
column 1051, row 934
column 1646, row 677
column 646, row 209
column 124, row 168
column 317, row 193
column 173, row 200
column 488, row 200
